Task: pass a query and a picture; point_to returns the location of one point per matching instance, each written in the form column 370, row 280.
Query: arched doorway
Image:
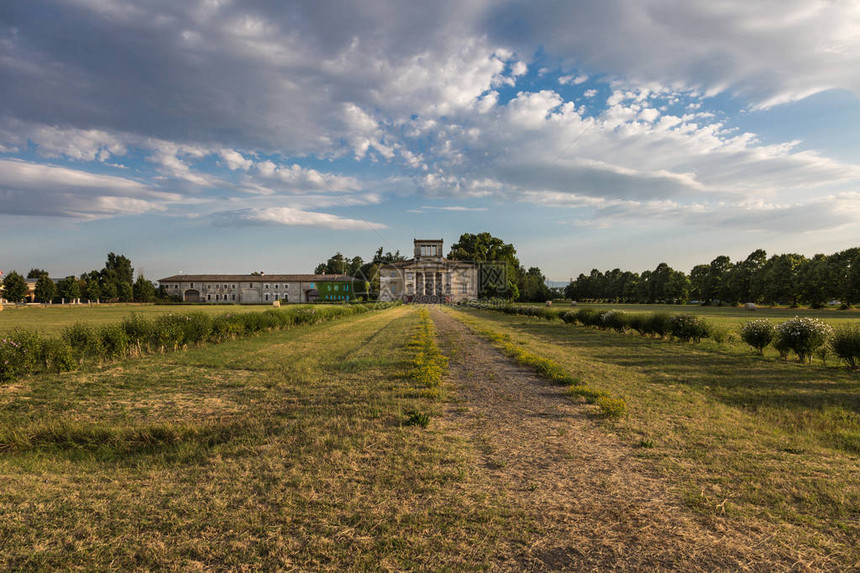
column 192, row 295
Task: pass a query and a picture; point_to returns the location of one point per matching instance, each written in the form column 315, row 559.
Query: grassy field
column 51, row 319
column 773, row 445
column 279, row 452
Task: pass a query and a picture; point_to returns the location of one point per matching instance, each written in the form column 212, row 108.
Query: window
column 266, row 287
column 192, row 285
column 336, row 287
column 232, row 286
column 267, row 296
column 345, row 287
column 225, row 286
column 277, row 287
column 234, row 297
column 208, row 297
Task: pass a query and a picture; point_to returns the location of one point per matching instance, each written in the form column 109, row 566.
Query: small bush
column 688, row 327
column 846, row 345
column 588, row 317
column 638, row 322
column 416, row 418
column 758, row 334
column 614, row 320
column 83, row 339
column 803, row 335
column 58, row 355
column 569, row 317
column 611, row 407
column 20, row 351
column 114, row 342
column 139, row 332
column 659, row 324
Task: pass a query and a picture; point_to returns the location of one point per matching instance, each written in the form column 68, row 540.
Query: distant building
column 262, row 289
column 428, row 277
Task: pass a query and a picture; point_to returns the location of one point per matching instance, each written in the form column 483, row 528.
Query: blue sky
column 219, row 136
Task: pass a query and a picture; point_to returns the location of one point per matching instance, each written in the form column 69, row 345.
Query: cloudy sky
column 219, row 136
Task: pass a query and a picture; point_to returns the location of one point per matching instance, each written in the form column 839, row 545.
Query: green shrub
column 139, row 332
column 658, row 324
column 20, row 351
column 614, row 320
column 58, row 355
column 638, row 322
column 588, row 317
column 114, row 342
column 416, row 418
column 688, row 327
column 83, row 339
column 569, row 317
column 758, row 334
column 803, row 335
column 846, row 345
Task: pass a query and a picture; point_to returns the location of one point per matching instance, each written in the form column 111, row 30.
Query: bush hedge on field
column 24, row 352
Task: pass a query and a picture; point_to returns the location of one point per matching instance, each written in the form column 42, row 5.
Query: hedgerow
column 846, row 345
column 24, row 352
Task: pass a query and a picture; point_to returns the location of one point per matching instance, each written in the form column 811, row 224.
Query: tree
column 15, row 287
column 498, row 265
column 144, row 290
column 119, row 271
column 532, row 286
column 36, row 273
column 699, row 282
column 92, row 290
column 69, row 289
column 45, row 289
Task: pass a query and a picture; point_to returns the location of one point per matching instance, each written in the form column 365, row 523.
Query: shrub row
column 24, row 352
column 429, row 365
column 804, row 337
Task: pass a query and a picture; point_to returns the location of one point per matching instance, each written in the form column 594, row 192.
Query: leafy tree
column 125, row 292
column 117, row 270
column 781, row 284
column 813, row 280
column 144, row 290
column 532, row 286
column 15, row 287
column 45, row 289
column 92, row 290
column 121, row 265
column 36, row 273
column 69, row 289
column 699, row 281
column 485, row 248
column 677, row 288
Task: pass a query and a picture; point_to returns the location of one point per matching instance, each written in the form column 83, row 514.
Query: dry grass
column 285, row 451
column 749, row 443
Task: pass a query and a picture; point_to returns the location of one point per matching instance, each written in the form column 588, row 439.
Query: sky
column 216, row 136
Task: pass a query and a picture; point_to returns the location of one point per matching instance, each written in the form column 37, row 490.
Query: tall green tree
column 14, row 287
column 45, row 289
column 144, row 290
column 69, row 288
column 532, row 286
column 498, row 266
column 36, row 273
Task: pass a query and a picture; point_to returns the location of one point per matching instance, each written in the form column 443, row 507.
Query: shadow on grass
column 825, row 400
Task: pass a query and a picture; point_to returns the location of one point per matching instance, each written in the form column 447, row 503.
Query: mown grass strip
column 429, row 365
column 610, row 407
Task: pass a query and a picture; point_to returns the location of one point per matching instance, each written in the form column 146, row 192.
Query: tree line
column 113, row 283
column 788, row 279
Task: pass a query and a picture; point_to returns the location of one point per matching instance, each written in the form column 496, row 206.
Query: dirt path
column 597, row 506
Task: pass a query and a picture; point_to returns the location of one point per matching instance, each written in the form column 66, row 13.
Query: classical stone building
column 428, row 277
column 260, row 289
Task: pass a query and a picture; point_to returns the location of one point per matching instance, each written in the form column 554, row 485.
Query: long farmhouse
column 261, row 288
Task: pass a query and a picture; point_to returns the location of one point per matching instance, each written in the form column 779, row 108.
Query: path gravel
column 596, row 504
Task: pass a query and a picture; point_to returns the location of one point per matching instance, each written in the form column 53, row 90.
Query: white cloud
column 45, row 190
column 291, row 217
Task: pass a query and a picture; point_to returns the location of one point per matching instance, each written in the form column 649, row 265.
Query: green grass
column 50, row 320
column 768, row 443
column 289, row 450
